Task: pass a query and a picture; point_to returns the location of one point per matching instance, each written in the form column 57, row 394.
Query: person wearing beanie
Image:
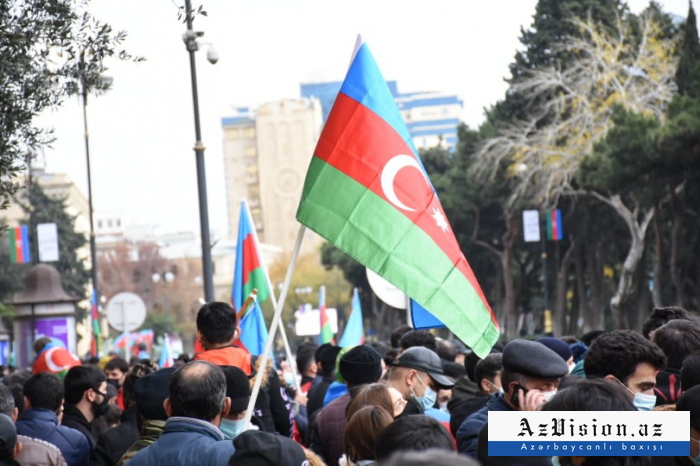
column 255, row 448
column 561, row 348
column 150, row 392
column 326, row 360
column 359, row 366
column 238, row 389
column 9, row 446
column 530, row 377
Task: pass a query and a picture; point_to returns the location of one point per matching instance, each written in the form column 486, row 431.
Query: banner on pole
column 531, row 225
column 19, row 245
column 47, row 236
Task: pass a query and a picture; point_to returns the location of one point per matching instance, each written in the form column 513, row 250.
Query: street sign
column 126, row 312
column 386, row 291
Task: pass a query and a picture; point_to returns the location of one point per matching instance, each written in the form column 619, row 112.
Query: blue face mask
column 429, row 397
column 641, row 401
column 288, row 379
column 231, row 428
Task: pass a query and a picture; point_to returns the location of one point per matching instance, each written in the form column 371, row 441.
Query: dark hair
column 18, row 396
column 418, row 338
column 677, row 339
column 136, row 372
column 488, row 368
column 446, row 350
column 217, row 321
column 390, row 356
column 375, row 394
column 508, row 377
column 362, row 430
column 589, row 337
column 690, row 371
column 619, row 352
column 119, row 364
column 414, row 433
column 661, row 315
column 454, row 370
column 197, row 390
column 305, row 357
column 429, row 458
column 591, row 395
column 45, row 391
column 7, row 401
column 398, row 333
column 78, row 380
column 470, row 362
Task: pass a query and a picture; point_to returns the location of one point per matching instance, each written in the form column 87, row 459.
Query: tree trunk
column 656, row 288
column 559, row 317
column 595, row 320
column 638, row 232
column 582, row 308
column 676, row 277
column 508, row 282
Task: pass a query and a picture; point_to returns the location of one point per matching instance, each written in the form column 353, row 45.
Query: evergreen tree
column 689, row 64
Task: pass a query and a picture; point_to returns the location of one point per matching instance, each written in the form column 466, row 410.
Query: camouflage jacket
column 150, row 431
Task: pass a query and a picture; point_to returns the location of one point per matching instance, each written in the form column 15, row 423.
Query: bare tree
column 570, row 109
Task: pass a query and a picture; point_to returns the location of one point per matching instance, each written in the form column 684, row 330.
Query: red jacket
column 228, row 356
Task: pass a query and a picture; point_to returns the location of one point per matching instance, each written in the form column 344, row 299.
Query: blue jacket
column 468, row 432
column 186, row 441
column 43, row 425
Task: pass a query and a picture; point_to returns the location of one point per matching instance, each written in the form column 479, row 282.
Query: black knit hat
column 360, row 365
column 150, row 392
column 237, row 388
column 328, row 355
column 258, row 448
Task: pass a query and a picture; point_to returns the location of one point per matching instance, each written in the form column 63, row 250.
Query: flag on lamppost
column 19, row 245
column 367, row 192
column 96, row 331
column 555, row 231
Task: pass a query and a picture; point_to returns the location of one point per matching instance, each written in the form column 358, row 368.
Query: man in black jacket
column 85, row 399
column 112, row 445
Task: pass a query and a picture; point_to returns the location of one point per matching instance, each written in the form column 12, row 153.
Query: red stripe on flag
column 19, row 252
column 363, row 159
column 555, row 227
column 251, row 261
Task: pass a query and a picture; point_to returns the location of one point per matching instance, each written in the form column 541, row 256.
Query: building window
column 99, row 224
column 119, row 223
column 233, row 133
column 251, row 151
column 249, row 133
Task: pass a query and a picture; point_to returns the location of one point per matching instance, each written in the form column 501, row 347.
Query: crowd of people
column 416, row 400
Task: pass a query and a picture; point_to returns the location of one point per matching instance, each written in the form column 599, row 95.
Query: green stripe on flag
column 375, row 233
column 256, row 279
column 13, row 247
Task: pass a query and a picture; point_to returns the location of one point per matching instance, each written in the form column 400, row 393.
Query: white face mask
column 443, row 407
column 500, row 389
column 548, row 395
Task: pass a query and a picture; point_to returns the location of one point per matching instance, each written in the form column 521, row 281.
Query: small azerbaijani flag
column 326, row 334
column 96, row 332
column 166, row 354
column 249, row 274
column 555, row 232
column 367, row 192
column 354, row 334
column 19, row 245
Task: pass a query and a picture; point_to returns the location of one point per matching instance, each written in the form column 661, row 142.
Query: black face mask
column 100, row 409
column 114, row 383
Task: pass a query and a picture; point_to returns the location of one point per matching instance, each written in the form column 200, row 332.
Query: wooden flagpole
column 273, row 326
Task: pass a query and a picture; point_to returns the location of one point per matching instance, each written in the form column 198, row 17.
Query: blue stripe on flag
column 365, row 84
column 422, row 318
column 26, row 251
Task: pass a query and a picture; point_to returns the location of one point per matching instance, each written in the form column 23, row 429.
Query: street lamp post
column 190, row 38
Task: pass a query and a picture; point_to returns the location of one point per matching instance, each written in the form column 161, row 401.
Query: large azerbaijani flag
column 249, row 274
column 367, row 192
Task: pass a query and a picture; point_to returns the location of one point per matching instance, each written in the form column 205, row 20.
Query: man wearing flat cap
column 530, row 377
column 417, row 374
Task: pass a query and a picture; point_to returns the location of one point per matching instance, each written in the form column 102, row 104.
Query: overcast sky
column 142, row 132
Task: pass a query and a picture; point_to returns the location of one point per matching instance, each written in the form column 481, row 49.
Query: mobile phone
column 515, row 399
